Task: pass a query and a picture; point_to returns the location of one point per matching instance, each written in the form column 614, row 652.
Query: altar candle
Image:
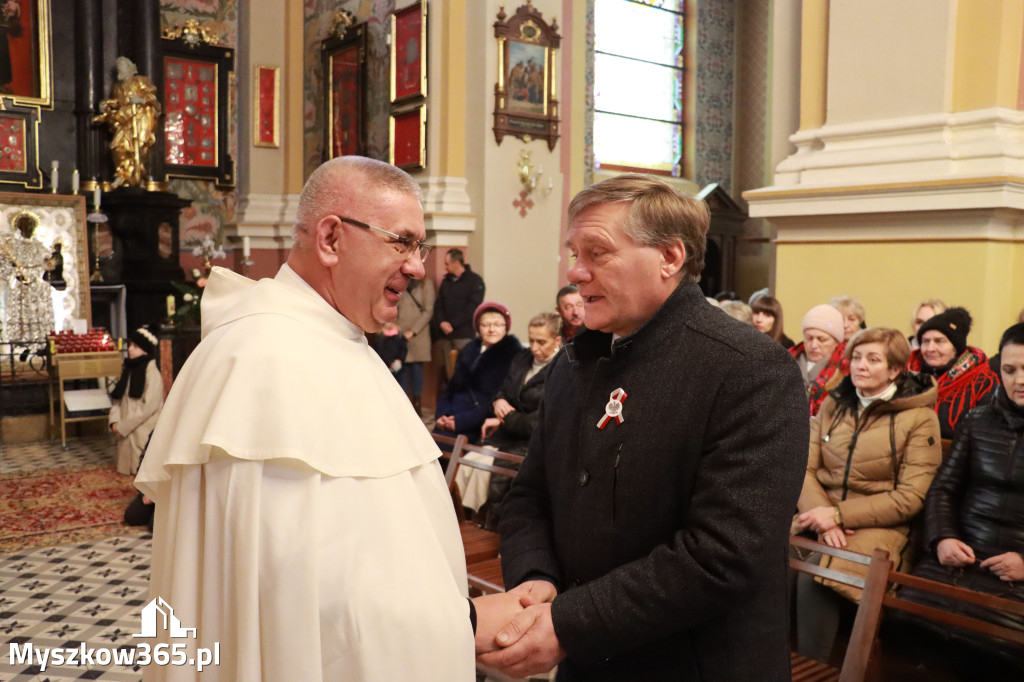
column 76, row 181
column 246, row 249
column 54, row 174
column 170, row 305
column 96, row 198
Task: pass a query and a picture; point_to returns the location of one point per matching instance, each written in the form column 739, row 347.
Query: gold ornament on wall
column 192, row 33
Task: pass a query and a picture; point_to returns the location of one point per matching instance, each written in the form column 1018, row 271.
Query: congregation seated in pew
column 514, row 413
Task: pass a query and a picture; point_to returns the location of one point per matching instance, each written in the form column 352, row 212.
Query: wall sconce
column 527, row 176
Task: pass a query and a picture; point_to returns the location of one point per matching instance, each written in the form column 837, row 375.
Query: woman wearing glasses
column 481, row 367
column 974, row 516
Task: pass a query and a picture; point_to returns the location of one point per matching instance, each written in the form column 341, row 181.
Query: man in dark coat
column 461, row 291
column 647, row 530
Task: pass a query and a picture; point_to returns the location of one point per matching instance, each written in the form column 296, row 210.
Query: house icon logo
column 159, row 614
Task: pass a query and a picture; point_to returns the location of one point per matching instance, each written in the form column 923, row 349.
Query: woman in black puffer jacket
column 974, row 511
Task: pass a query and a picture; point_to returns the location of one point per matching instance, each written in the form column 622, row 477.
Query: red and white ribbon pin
column 613, row 410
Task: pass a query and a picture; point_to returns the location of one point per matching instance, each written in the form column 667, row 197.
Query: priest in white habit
column 303, row 526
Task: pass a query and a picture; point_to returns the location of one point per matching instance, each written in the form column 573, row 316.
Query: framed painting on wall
column 344, row 69
column 25, row 67
column 409, row 53
column 19, row 144
column 196, row 82
column 59, row 222
column 267, row 99
column 409, row 138
column 524, row 96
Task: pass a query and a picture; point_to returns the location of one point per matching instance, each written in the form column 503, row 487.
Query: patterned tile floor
column 61, row 597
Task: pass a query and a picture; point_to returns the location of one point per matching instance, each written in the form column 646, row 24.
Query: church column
column 89, row 89
column 447, row 209
column 270, row 34
column 912, row 184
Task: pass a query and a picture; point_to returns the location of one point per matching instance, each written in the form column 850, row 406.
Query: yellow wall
column 987, row 58
column 986, row 277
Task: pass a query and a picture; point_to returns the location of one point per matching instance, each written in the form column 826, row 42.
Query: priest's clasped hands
column 514, row 632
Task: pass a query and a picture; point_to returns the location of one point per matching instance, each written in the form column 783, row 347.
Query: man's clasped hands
column 514, row 632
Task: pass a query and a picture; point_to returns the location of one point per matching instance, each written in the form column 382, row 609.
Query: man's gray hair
column 658, row 215
column 320, row 194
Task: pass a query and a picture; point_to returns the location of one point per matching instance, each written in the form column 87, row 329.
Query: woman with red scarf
column 962, row 372
column 821, row 354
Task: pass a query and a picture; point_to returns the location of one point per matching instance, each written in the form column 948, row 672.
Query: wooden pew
column 483, row 568
column 865, row 625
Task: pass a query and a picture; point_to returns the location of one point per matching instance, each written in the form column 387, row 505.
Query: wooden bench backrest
column 459, row 459
column 869, row 611
column 939, row 615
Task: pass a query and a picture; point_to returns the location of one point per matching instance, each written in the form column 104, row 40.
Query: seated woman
column 821, row 354
column 853, row 314
column 974, row 512
column 768, row 318
column 962, row 372
column 479, row 371
column 874, row 450
column 924, row 311
column 515, row 405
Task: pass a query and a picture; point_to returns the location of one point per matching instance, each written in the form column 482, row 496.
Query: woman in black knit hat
column 137, row 399
column 962, row 372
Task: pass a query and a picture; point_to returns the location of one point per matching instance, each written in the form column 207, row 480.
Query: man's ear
column 327, row 241
column 673, row 256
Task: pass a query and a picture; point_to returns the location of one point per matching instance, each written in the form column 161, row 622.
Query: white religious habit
column 302, row 522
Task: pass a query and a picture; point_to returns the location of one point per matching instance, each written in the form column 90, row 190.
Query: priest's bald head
column 358, row 238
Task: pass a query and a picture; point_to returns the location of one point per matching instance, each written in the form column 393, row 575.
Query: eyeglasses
column 405, row 245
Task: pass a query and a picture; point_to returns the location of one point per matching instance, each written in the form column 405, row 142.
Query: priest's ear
column 327, row 241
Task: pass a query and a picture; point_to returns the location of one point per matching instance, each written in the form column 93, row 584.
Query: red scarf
column 963, row 386
column 818, row 390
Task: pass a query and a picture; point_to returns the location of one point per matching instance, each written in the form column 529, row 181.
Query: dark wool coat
column 978, row 498
column 666, row 535
column 457, row 300
column 470, row 391
column 514, row 433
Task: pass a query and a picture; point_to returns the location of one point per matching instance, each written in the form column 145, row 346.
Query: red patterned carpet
column 62, row 506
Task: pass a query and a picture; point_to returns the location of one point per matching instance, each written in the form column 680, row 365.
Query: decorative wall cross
column 524, row 203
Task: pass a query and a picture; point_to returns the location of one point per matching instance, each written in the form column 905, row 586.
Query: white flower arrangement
column 207, row 249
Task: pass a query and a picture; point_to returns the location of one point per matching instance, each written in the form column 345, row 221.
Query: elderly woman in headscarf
column 963, row 373
column 137, row 399
column 479, row 372
column 820, row 354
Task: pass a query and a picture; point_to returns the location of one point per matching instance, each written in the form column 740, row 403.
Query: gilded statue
column 131, row 113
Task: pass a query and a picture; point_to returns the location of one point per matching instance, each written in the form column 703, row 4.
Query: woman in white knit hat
column 820, row 355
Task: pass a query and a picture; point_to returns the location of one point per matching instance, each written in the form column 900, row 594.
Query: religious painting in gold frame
column 19, row 144
column 409, row 53
column 408, row 148
column 267, row 84
column 60, row 219
column 344, row 75
column 25, row 59
column 524, row 96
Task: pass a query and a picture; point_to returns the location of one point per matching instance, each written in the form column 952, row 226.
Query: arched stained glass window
column 638, row 85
